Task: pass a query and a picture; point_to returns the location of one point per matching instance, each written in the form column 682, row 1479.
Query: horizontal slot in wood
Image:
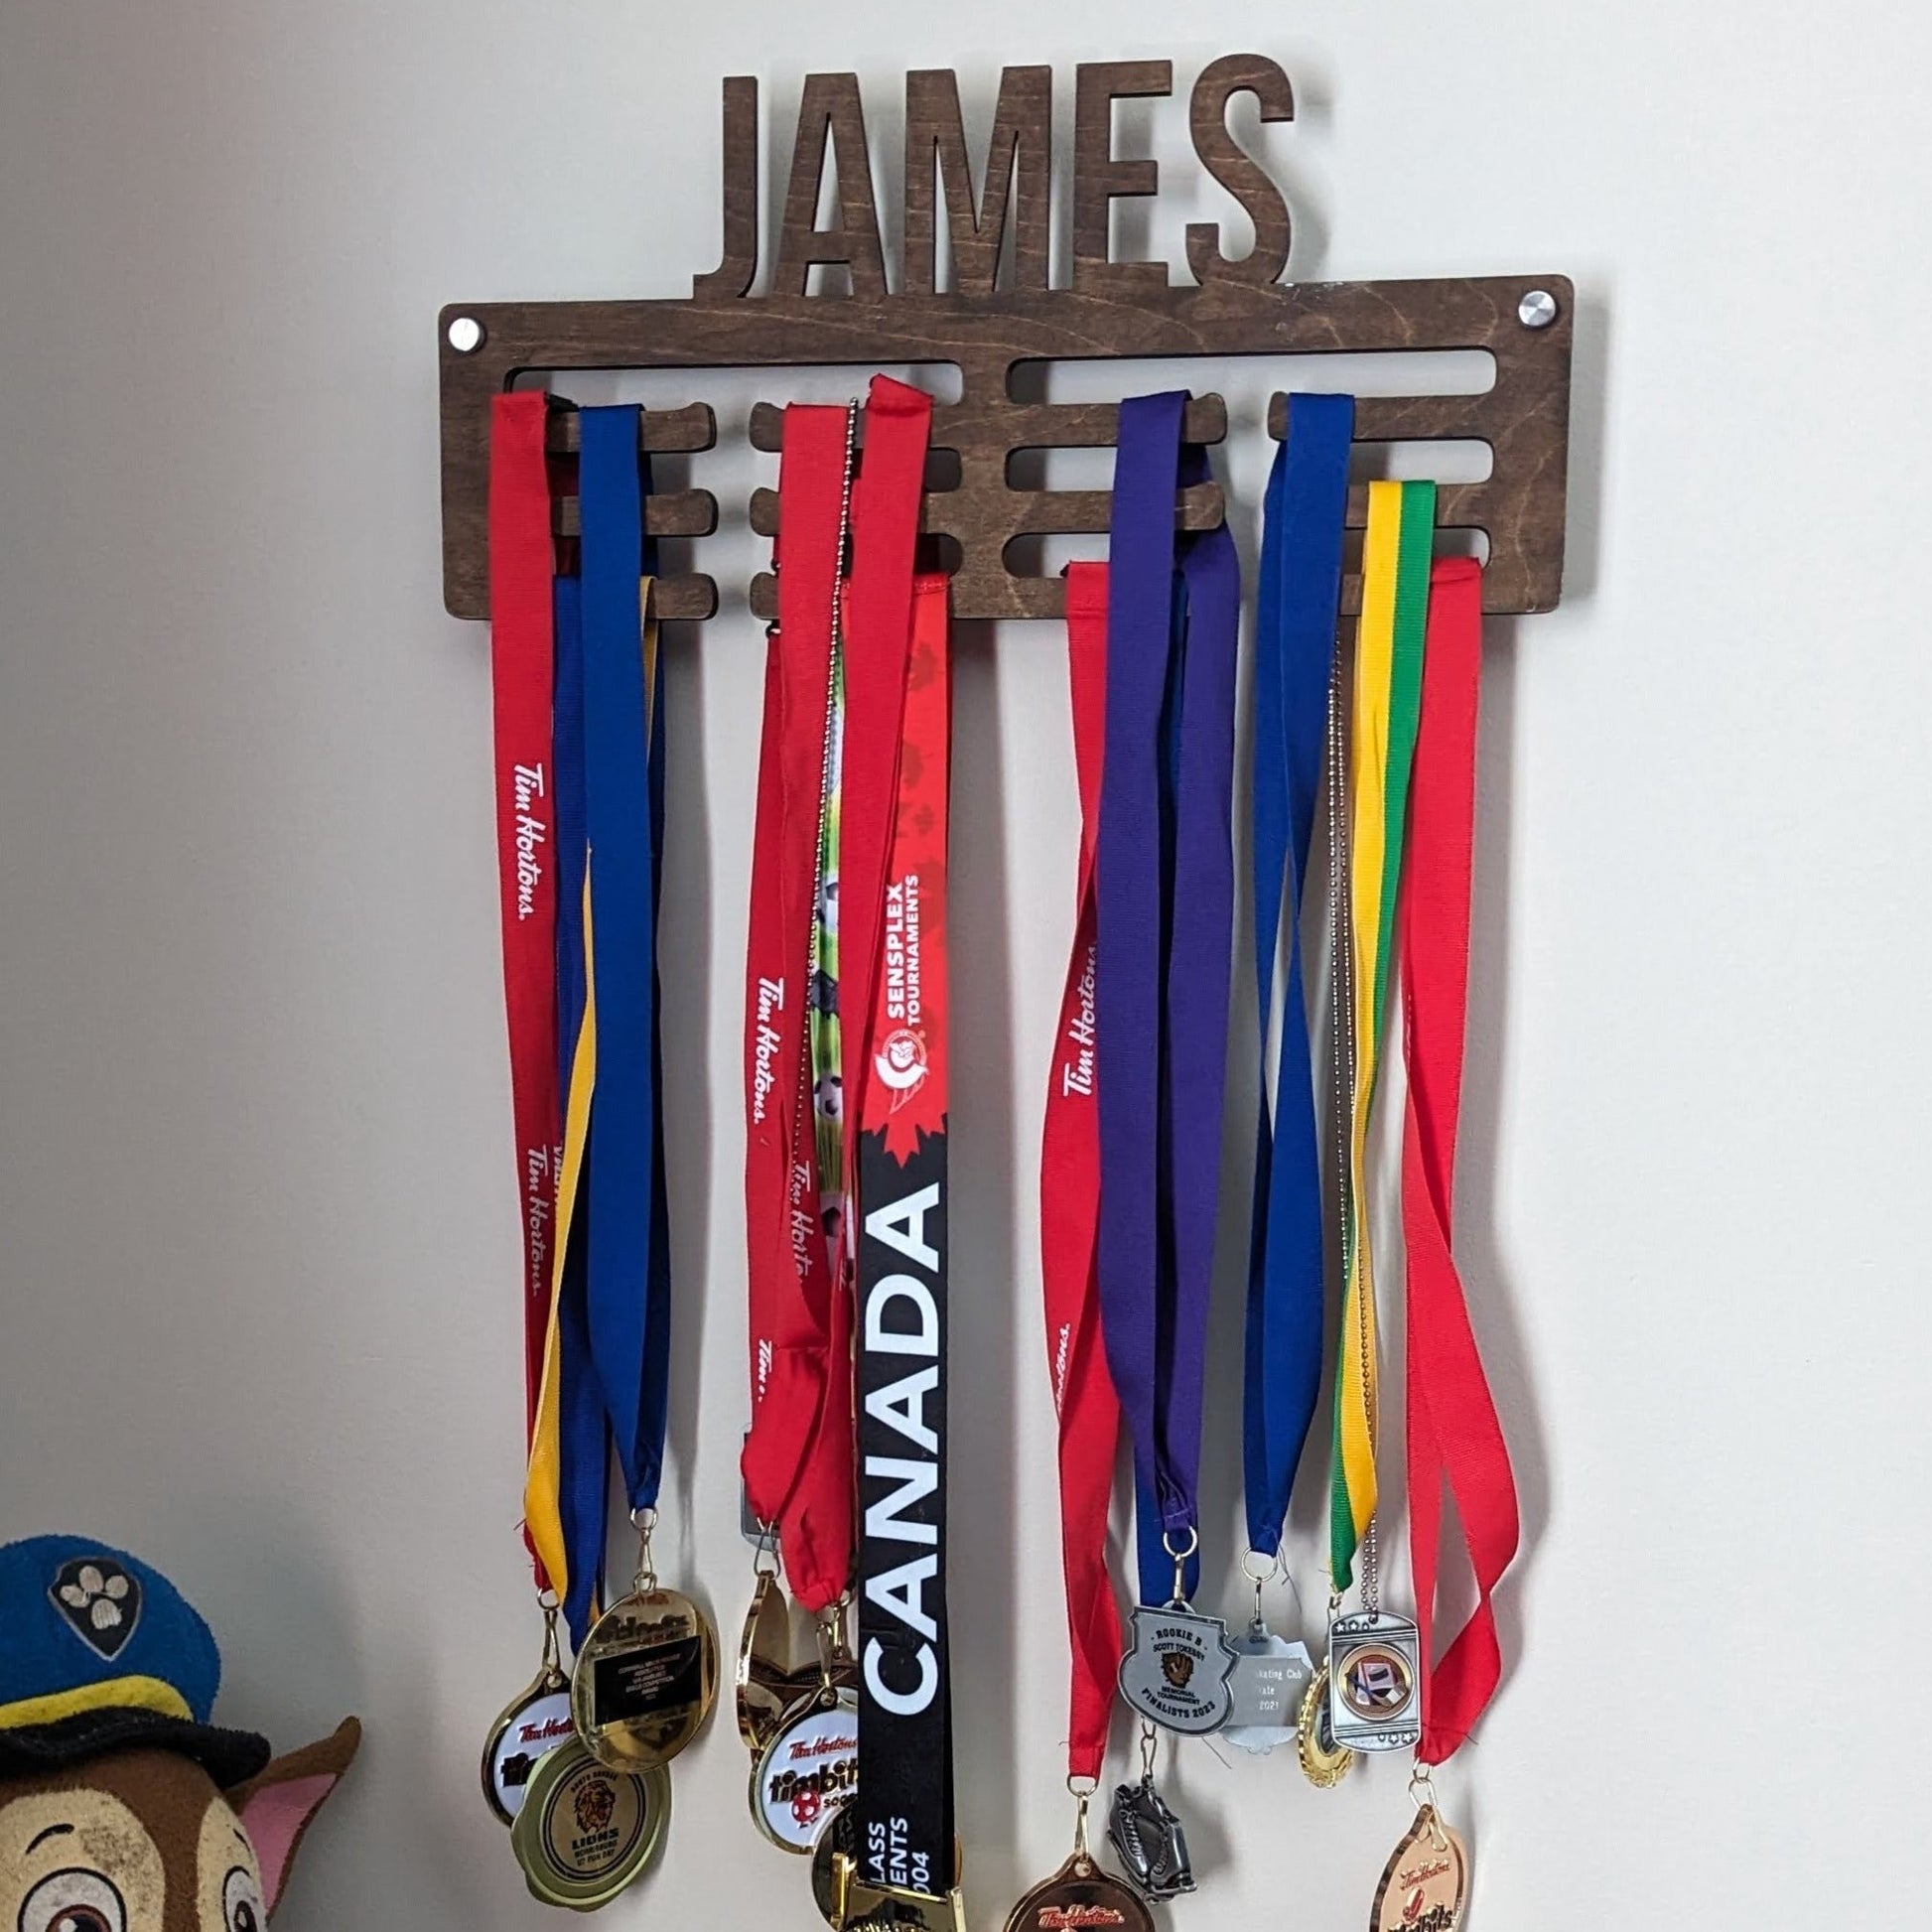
column 1032, row 512
column 667, row 513
column 660, row 431
column 1024, row 425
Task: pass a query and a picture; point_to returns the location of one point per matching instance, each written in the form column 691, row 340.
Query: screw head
column 465, row 334
column 1537, row 309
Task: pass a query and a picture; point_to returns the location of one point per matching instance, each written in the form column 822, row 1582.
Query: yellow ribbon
column 1369, row 792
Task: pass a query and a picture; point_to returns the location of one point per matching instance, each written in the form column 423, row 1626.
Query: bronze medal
column 585, row 1832
column 1426, row 1883
column 1323, row 1762
column 772, row 1687
column 646, row 1681
column 1080, row 1895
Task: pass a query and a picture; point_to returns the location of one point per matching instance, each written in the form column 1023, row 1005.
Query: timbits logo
column 900, row 1065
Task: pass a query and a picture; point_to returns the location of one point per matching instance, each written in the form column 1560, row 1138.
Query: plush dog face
column 141, row 1841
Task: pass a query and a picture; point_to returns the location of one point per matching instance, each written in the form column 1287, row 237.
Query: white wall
column 254, row 1160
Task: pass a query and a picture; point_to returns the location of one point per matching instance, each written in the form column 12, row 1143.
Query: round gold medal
column 646, row 1678
column 1323, row 1762
column 771, row 1689
column 585, row 1832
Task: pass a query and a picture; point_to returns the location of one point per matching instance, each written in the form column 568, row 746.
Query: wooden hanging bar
column 994, row 337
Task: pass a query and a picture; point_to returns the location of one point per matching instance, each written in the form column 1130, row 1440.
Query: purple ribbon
column 1164, row 875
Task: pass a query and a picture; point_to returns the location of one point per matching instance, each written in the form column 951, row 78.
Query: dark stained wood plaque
column 1113, row 310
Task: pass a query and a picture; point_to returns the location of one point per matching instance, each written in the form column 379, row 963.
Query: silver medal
column 1374, row 1704
column 1271, row 1678
column 1152, row 1848
column 1176, row 1669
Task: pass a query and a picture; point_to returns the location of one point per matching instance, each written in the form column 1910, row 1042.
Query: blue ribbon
column 1294, row 646
column 628, row 1284
column 583, row 1444
column 1166, row 885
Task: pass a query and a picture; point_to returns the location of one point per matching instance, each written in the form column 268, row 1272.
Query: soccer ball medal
column 528, row 1729
column 807, row 1772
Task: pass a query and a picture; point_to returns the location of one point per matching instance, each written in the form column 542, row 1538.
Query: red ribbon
column 522, row 648
column 885, row 502
column 1455, row 1434
column 797, row 1455
column 1069, row 1225
column 902, row 1064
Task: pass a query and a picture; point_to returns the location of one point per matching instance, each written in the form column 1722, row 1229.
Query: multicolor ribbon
column 892, row 856
column 1388, row 653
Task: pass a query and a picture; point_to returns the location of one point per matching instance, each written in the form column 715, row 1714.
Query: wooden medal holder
column 1113, row 310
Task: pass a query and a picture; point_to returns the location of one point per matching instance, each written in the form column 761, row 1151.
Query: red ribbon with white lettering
column 522, row 648
column 1455, row 1434
column 797, row 1455
column 1069, row 1223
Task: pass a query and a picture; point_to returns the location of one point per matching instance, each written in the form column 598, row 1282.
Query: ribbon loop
column 1454, row 1432
column 1161, row 975
column 1294, row 642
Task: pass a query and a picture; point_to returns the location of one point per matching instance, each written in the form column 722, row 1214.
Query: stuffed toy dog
column 122, row 1808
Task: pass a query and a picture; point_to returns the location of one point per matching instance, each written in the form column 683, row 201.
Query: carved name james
column 1013, row 180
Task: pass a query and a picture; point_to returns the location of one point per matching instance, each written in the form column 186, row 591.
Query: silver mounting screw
column 465, row 334
column 1537, row 309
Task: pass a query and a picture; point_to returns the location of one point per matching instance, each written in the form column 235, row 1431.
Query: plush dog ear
column 277, row 1805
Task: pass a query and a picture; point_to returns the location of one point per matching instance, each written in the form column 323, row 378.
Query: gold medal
column 772, row 1689
column 1425, row 1882
column 646, row 1676
column 1323, row 1762
column 847, row 1904
column 585, row 1832
column 535, row 1721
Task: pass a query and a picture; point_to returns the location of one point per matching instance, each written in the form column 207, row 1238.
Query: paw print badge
column 101, row 1602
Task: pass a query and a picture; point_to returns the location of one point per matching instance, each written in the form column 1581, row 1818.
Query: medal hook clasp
column 552, row 1656
column 1258, row 1567
column 644, row 1521
column 1179, row 1555
column 1083, row 1790
column 831, row 1644
column 765, row 1558
column 1422, row 1788
column 1150, row 1750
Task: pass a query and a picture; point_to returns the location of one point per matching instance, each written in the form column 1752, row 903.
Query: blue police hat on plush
column 100, row 1652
